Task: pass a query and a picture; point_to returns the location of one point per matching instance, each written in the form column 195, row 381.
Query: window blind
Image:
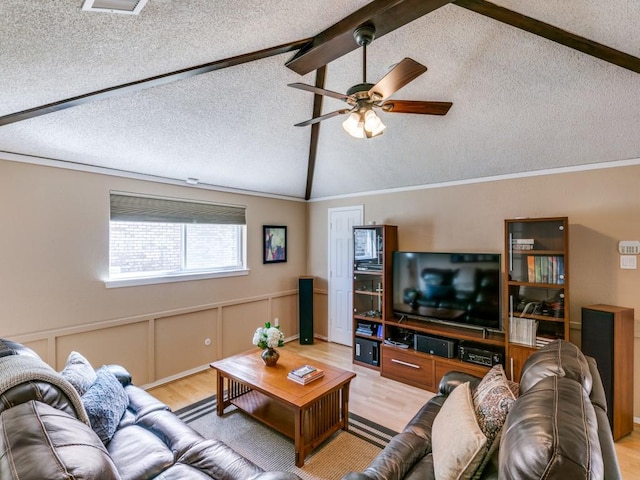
column 133, row 208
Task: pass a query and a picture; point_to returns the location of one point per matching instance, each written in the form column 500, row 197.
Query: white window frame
column 182, row 276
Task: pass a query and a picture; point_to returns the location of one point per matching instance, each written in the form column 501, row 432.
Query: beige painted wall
column 55, row 255
column 603, row 207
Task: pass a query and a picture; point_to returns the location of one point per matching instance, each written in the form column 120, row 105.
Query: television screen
column 456, row 288
column 366, row 244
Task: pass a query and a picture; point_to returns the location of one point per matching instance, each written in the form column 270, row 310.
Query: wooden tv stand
column 424, row 370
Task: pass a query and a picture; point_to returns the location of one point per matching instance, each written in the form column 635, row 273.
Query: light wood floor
column 387, row 402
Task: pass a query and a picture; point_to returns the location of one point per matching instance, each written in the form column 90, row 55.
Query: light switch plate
column 629, row 262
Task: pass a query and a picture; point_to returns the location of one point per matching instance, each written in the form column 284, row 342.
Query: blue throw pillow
column 79, row 372
column 105, row 403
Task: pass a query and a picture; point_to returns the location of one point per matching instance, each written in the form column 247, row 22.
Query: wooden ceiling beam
column 552, row 33
column 150, row 82
column 337, row 40
column 315, row 131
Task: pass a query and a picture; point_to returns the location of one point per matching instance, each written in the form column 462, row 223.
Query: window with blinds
column 164, row 237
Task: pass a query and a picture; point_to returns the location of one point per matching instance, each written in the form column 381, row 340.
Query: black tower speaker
column 597, row 342
column 305, row 309
column 607, row 336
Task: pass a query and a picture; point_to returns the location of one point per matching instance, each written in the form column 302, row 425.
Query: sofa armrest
column 121, row 373
column 39, row 442
column 452, row 379
column 397, row 458
column 599, row 401
column 355, row 476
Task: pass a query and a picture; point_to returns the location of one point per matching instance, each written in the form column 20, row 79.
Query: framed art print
column 275, row 244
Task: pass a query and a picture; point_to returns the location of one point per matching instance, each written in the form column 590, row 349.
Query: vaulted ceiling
column 198, row 89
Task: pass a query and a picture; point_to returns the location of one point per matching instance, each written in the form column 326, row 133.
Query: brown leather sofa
column 556, row 429
column 45, row 435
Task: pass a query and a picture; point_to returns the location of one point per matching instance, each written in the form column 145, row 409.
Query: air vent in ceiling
column 129, row 7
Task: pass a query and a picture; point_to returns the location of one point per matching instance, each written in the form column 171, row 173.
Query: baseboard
column 173, row 378
column 636, row 420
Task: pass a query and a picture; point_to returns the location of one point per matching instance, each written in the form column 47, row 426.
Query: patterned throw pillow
column 79, row 372
column 492, row 400
column 105, row 403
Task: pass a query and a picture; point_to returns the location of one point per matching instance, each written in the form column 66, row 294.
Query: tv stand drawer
column 407, row 367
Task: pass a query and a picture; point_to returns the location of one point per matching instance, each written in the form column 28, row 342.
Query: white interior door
column 341, row 223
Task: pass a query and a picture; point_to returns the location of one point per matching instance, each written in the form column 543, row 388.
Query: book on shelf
column 523, row 330
column 543, row 340
column 365, row 331
column 522, row 243
column 315, row 374
column 545, row 269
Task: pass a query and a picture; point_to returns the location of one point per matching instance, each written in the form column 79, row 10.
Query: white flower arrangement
column 268, row 336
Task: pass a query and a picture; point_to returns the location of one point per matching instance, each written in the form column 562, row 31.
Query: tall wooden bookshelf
column 536, row 287
column 372, row 290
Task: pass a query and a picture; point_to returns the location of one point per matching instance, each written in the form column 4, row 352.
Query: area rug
column 343, row 452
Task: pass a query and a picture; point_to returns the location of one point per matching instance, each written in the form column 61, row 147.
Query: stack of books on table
column 305, row 374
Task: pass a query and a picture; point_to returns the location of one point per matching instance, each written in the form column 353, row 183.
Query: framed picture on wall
column 274, row 249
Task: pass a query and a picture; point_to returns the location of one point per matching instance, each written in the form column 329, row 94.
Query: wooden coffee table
column 308, row 414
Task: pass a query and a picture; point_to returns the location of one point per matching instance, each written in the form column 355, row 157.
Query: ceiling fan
column 364, row 98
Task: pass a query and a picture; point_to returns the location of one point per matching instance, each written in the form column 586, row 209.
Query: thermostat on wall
column 629, row 247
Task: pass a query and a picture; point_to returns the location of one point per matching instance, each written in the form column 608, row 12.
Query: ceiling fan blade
column 412, row 106
column 319, row 91
column 404, row 72
column 323, row 117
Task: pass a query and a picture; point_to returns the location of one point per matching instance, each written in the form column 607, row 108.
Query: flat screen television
column 455, row 288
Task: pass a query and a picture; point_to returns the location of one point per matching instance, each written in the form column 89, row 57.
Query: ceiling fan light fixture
column 354, row 125
column 372, row 124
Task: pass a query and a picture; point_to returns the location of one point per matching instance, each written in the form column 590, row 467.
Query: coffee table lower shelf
column 308, row 426
column 270, row 412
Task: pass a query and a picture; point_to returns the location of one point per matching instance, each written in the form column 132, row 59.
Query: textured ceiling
column 520, row 102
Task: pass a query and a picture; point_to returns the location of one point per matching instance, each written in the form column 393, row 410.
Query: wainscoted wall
column 164, row 345
column 54, row 258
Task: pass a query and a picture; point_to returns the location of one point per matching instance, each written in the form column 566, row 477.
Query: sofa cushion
column 79, row 372
column 551, row 432
column 559, row 358
column 139, row 453
column 105, row 403
column 422, row 470
column 39, row 442
column 459, row 445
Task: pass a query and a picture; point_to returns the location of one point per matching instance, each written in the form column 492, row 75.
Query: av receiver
column 480, row 354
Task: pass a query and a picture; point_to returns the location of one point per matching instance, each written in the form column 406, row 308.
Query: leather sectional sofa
column 557, row 428
column 45, row 432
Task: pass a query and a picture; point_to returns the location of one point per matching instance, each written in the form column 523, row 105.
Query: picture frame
column 274, row 243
